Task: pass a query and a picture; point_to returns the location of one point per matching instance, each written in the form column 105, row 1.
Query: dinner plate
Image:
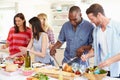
column 38, row 65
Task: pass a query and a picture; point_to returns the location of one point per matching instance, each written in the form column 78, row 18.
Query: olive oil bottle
column 27, row 60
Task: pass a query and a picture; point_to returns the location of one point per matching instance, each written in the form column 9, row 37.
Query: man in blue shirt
column 106, row 37
column 77, row 33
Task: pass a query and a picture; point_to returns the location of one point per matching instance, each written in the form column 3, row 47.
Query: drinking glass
column 1, row 59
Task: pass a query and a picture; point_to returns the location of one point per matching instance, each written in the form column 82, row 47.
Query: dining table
column 19, row 76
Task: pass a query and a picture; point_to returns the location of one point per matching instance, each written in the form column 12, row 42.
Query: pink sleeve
column 51, row 36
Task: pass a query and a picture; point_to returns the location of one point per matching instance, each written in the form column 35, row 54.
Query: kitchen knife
column 56, row 60
column 71, row 60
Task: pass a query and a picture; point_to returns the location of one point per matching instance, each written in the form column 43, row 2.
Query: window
column 7, row 12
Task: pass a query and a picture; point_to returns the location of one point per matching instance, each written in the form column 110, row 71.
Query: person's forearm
column 115, row 58
column 5, row 46
column 40, row 54
column 17, row 54
column 57, row 45
column 30, row 44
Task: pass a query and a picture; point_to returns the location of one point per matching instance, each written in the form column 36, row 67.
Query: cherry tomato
column 77, row 72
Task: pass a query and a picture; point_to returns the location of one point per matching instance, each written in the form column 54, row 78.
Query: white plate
column 38, row 65
column 2, row 65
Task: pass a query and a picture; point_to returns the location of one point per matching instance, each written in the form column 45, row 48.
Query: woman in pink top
column 19, row 35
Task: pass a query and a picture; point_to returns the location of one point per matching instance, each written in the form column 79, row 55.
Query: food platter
column 54, row 72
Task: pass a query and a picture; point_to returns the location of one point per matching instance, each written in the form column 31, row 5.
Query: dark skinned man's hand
column 80, row 51
column 52, row 51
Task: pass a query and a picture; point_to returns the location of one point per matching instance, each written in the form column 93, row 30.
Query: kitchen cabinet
column 60, row 13
column 59, row 18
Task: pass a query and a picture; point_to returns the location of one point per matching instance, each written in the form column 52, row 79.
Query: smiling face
column 42, row 20
column 94, row 19
column 19, row 22
column 75, row 18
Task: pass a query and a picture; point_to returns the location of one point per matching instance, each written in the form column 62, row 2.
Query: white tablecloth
column 19, row 76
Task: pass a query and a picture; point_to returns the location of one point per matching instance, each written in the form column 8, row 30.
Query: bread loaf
column 11, row 67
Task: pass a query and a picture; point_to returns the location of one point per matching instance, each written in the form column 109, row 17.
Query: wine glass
column 83, row 66
column 75, row 66
column 1, row 59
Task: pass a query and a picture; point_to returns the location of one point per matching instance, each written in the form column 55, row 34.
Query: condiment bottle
column 27, row 60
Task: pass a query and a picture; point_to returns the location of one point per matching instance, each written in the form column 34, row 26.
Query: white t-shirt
column 103, row 46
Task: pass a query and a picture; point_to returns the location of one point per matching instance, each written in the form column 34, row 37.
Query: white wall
column 111, row 7
column 31, row 8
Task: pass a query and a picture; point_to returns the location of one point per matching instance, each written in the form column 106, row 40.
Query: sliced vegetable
column 41, row 76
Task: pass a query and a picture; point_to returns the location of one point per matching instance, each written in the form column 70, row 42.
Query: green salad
column 95, row 70
column 41, row 76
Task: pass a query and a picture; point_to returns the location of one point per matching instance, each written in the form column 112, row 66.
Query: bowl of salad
column 94, row 73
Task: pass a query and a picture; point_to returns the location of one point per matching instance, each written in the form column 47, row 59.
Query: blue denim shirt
column 113, row 43
column 75, row 39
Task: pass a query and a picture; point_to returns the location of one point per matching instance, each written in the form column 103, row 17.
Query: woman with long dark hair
column 39, row 42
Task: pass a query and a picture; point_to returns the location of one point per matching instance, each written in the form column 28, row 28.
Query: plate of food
column 10, row 69
column 74, row 68
column 2, row 66
column 19, row 60
column 38, row 76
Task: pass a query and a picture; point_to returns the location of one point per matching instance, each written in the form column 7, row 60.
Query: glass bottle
column 27, row 60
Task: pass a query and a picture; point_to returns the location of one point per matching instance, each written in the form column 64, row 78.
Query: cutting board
column 57, row 76
column 55, row 73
